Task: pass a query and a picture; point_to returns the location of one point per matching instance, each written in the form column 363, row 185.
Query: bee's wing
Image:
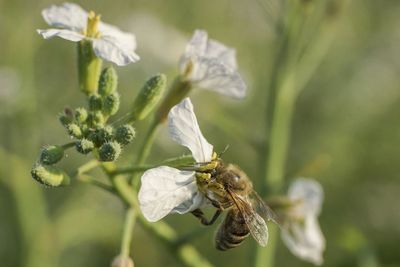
column 263, row 209
column 167, row 190
column 256, row 224
column 185, row 130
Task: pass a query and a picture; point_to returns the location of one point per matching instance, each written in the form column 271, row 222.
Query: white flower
column 210, row 65
column 109, row 43
column 301, row 232
column 166, row 190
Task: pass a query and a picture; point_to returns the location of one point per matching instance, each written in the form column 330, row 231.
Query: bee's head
column 232, row 177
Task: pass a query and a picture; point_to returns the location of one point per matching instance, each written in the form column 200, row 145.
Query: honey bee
column 229, row 189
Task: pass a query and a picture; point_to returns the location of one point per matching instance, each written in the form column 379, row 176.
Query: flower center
column 92, row 25
column 296, row 210
column 188, row 69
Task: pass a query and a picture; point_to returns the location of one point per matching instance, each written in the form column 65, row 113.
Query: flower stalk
column 179, row 90
column 128, row 232
column 293, row 70
column 279, row 141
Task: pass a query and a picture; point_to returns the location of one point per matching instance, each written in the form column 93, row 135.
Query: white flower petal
column 167, row 190
column 211, row 74
column 197, row 45
column 124, row 39
column 305, row 240
column 185, row 130
column 201, row 46
column 225, row 54
column 68, row 16
column 301, row 232
column 109, row 48
column 65, row 34
column 311, row 194
column 211, row 65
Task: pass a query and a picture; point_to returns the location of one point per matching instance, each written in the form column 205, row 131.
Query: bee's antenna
column 223, row 151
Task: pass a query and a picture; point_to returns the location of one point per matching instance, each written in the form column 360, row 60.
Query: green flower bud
column 49, row 175
column 108, row 81
column 96, row 119
column 111, row 104
column 95, row 102
column 84, row 146
column 148, row 97
column 109, row 151
column 102, row 135
column 125, row 134
column 51, row 154
column 92, row 136
column 85, row 129
column 66, row 117
column 122, row 261
column 81, row 115
column 74, row 130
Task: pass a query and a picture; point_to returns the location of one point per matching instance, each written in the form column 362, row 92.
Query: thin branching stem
column 293, row 74
column 133, row 169
column 88, row 166
column 68, row 145
column 90, row 180
column 145, row 149
column 128, row 232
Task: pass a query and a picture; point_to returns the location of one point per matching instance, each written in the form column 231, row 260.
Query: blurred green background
column 345, row 130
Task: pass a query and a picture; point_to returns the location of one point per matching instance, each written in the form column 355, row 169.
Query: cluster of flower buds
column 89, row 126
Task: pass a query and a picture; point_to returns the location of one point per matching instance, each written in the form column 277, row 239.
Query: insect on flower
column 300, row 229
column 211, row 65
column 75, row 24
column 166, row 190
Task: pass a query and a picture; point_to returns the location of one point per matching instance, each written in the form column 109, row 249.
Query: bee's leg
column 202, row 180
column 209, row 166
column 200, row 215
column 215, row 203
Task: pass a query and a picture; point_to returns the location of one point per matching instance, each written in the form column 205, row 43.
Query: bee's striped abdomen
column 232, row 231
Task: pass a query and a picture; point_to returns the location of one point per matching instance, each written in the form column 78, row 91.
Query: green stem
column 121, row 185
column 292, row 76
column 182, row 161
column 278, row 141
column 90, row 180
column 81, row 175
column 280, row 134
column 68, row 145
column 133, row 169
column 265, row 257
column 87, row 167
column 128, row 232
column 148, row 142
column 145, row 150
column 185, row 160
